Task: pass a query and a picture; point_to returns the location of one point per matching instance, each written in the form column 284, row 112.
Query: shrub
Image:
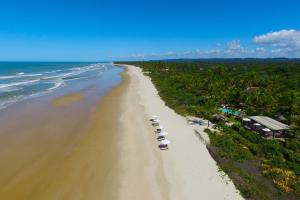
column 284, row 179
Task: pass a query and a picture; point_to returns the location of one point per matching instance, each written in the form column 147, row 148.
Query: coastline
column 115, row 155
column 108, row 158
column 190, row 170
column 64, row 151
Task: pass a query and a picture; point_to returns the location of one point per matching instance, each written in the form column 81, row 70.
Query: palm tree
column 208, row 110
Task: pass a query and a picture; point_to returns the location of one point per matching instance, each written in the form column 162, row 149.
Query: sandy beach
column 189, row 170
column 110, row 153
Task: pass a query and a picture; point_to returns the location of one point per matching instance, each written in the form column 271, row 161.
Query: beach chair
column 159, row 138
column 155, row 124
column 158, row 130
column 163, row 146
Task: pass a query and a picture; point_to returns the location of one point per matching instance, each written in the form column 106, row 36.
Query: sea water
column 25, row 80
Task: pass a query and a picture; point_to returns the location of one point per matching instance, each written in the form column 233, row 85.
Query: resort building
column 266, row 126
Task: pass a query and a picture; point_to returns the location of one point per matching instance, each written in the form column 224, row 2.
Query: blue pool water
column 229, row 111
column 23, row 80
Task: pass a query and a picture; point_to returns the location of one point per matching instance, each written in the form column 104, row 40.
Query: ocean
column 25, row 80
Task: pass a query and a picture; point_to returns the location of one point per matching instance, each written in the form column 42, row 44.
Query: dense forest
column 260, row 168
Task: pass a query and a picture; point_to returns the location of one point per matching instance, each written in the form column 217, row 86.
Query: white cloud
column 281, row 43
column 234, row 45
column 260, row 50
column 232, row 49
column 137, row 55
column 279, row 38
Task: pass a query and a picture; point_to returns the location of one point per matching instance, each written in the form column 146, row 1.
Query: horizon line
column 129, row 60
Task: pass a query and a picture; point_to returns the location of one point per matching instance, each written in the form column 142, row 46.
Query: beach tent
column 163, row 145
column 156, row 120
column 163, row 133
column 155, row 123
column 159, row 129
column 154, row 117
column 165, row 142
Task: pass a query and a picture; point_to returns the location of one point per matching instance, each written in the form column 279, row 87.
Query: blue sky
column 92, row 30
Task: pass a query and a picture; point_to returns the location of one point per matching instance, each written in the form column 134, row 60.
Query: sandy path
column 190, row 170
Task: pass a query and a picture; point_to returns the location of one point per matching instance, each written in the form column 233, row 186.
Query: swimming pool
column 229, row 111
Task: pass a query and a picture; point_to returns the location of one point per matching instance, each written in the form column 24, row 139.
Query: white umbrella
column 165, row 142
column 156, row 120
column 266, row 130
column 257, row 124
column 160, row 127
column 246, row 119
column 163, row 133
column 154, row 117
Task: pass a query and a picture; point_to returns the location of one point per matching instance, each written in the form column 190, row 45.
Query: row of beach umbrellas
column 159, row 129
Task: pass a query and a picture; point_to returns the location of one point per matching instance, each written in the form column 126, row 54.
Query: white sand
column 189, row 170
column 141, row 177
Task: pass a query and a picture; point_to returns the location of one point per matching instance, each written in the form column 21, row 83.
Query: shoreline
column 115, row 155
column 60, row 151
column 108, row 158
column 189, row 168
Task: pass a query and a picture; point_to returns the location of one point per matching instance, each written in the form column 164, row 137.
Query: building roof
column 270, row 123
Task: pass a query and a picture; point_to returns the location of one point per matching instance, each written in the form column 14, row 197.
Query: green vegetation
column 260, row 168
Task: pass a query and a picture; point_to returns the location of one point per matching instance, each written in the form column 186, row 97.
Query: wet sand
column 60, row 157
column 67, row 99
column 58, row 154
column 63, row 153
